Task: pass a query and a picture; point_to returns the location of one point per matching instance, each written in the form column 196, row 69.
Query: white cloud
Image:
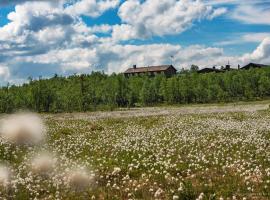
column 13, row 2
column 244, row 38
column 155, row 17
column 255, row 37
column 127, row 32
column 261, row 54
column 103, row 28
column 32, row 17
column 39, row 27
column 217, row 12
column 92, row 8
column 50, row 36
column 77, row 59
column 4, row 72
column 234, row 2
column 117, row 58
column 247, row 11
column 252, row 14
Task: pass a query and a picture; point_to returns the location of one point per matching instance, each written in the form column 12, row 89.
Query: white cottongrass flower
column 175, row 197
column 23, row 128
column 116, row 170
column 200, row 196
column 4, row 176
column 158, row 193
column 79, row 179
column 43, row 163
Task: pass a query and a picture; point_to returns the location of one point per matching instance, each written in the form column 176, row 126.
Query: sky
column 47, row 37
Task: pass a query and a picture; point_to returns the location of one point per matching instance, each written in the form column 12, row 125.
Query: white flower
column 201, row 196
column 158, row 193
column 175, row 197
column 116, row 170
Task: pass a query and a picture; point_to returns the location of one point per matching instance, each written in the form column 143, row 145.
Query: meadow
column 191, row 152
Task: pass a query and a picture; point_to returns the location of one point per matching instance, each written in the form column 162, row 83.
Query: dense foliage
column 100, row 91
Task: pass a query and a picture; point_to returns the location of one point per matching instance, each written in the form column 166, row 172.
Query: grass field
column 197, row 152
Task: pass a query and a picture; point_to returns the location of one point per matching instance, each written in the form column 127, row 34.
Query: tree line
column 98, row 91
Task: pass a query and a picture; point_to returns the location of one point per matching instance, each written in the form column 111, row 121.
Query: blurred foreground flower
column 4, row 176
column 23, row 128
column 79, row 179
column 43, row 163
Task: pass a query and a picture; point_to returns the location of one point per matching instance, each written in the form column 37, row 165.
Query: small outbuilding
column 167, row 70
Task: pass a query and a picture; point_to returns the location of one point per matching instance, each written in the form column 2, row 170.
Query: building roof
column 149, row 69
column 254, row 65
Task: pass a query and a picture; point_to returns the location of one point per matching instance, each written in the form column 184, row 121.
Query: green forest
column 98, row 91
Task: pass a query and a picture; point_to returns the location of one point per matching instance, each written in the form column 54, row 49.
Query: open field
column 196, row 152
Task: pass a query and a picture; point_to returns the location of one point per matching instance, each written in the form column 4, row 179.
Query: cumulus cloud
column 261, row 54
column 68, row 59
column 13, row 2
column 37, row 28
column 155, row 17
column 233, row 2
column 117, row 58
column 32, row 17
column 92, row 8
column 4, row 72
column 128, row 32
column 103, row 28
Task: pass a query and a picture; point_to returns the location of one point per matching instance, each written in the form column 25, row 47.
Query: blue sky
column 41, row 38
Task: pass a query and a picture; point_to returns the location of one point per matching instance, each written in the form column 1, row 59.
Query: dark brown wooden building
column 214, row 69
column 209, row 70
column 167, row 70
column 254, row 65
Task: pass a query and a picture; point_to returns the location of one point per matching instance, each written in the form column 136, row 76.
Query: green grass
column 221, row 154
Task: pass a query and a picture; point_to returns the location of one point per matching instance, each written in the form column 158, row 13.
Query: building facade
column 214, row 69
column 167, row 70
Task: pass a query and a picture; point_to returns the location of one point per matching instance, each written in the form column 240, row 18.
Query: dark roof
column 255, row 65
column 149, row 69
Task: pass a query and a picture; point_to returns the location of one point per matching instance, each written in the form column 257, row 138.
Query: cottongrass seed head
column 79, row 179
column 43, row 163
column 5, row 175
column 23, row 129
